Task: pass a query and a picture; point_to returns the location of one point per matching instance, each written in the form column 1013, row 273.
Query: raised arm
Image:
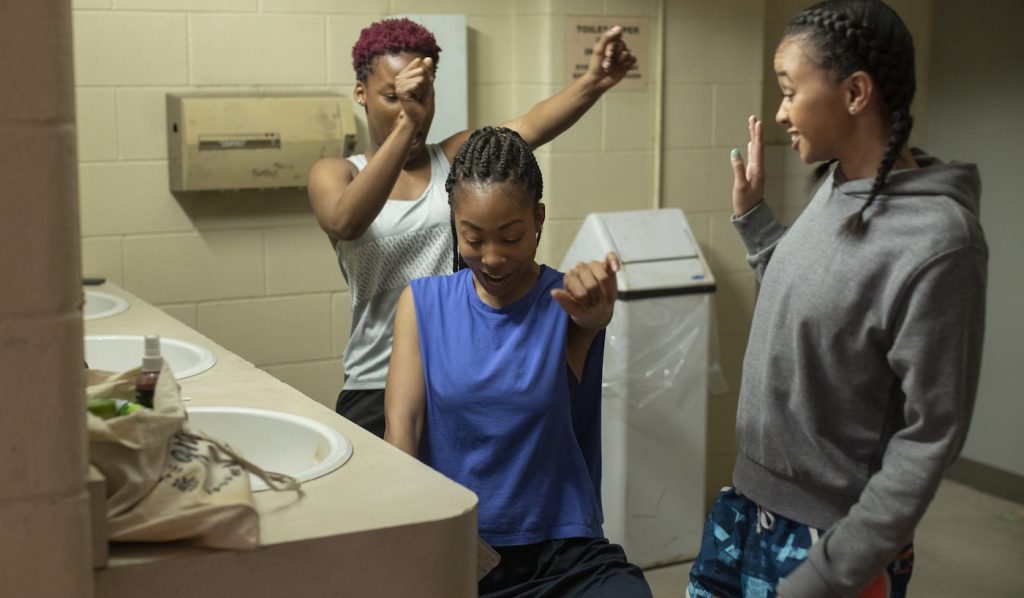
column 588, row 296
column 754, row 220
column 345, row 204
column 609, row 63
column 405, row 395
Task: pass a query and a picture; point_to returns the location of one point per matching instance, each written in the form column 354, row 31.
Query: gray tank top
column 408, row 239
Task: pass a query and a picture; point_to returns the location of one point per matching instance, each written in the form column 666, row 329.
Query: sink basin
column 291, row 444
column 101, row 305
column 118, row 353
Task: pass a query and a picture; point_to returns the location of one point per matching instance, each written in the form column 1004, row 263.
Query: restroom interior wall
column 712, row 81
column 976, row 89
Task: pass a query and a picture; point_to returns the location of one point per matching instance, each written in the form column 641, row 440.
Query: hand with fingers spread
column 748, row 183
column 610, row 59
column 414, row 86
column 589, row 293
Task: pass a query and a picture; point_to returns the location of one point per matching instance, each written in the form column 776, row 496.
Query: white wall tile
column 96, row 120
column 186, row 313
column 342, row 33
column 734, row 103
column 318, row 380
column 698, row 180
column 123, row 198
column 489, row 43
column 194, row 267
column 227, row 210
column 190, row 5
column 274, row 330
column 102, row 256
column 142, row 123
column 466, row 7
column 738, row 50
column 628, row 118
column 491, row 104
column 326, row 6
column 114, row 48
column 687, row 115
column 558, row 235
column 586, row 135
column 300, row 259
column 631, row 8
column 598, row 182
column 689, row 50
column 728, row 253
column 691, row 9
column 734, row 301
column 539, row 57
column 257, row 50
column 747, row 9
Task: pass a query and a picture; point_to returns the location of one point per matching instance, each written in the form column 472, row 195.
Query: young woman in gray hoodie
column 865, row 348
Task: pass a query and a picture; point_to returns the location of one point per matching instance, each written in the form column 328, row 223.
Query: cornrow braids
column 392, row 36
column 865, row 35
column 492, row 155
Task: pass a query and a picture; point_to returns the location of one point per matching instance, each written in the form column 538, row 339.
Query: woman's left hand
column 590, row 292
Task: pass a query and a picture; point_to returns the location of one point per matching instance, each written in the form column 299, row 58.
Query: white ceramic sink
column 102, row 305
column 118, row 353
column 291, row 444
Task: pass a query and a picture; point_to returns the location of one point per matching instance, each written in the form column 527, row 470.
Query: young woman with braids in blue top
column 385, row 211
column 865, row 348
column 495, row 381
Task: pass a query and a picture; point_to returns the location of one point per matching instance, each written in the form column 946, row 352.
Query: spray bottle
column 152, row 361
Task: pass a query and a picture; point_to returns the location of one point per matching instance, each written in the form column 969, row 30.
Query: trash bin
column 655, row 387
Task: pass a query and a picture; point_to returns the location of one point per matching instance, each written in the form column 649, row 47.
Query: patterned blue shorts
column 746, row 550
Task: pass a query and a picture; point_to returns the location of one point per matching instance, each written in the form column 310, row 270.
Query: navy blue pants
column 746, row 550
column 590, row 567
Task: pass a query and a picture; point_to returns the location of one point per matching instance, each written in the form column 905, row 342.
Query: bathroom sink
column 118, row 353
column 291, row 444
column 101, row 305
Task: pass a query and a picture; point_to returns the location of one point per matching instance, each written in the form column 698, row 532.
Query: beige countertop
column 383, row 524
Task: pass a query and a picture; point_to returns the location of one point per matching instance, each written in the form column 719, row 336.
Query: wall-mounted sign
column 583, row 32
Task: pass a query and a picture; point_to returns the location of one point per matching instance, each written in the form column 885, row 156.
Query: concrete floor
column 968, row 544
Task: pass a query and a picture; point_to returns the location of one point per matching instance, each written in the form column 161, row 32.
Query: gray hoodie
column 862, row 365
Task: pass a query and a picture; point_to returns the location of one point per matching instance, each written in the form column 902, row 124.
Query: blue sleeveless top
column 505, row 416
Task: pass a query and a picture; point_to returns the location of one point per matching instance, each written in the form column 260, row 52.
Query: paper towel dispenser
column 236, row 141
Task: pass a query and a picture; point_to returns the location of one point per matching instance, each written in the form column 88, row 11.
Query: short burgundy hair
column 391, row 36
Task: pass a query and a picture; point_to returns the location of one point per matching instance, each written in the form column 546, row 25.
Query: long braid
column 492, row 155
column 852, row 35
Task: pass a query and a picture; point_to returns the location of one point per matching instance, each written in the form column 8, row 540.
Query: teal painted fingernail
column 735, row 154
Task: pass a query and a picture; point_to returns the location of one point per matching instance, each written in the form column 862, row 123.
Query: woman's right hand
column 748, row 183
column 414, row 86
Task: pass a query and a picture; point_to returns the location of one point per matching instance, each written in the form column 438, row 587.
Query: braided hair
column 492, row 155
column 864, row 35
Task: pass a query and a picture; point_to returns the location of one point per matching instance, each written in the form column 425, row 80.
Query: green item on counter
column 105, row 408
column 128, row 407
column 110, row 408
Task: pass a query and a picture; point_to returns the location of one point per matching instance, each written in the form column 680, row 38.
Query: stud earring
column 852, row 108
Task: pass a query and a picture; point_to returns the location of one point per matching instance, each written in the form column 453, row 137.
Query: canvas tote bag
column 167, row 481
